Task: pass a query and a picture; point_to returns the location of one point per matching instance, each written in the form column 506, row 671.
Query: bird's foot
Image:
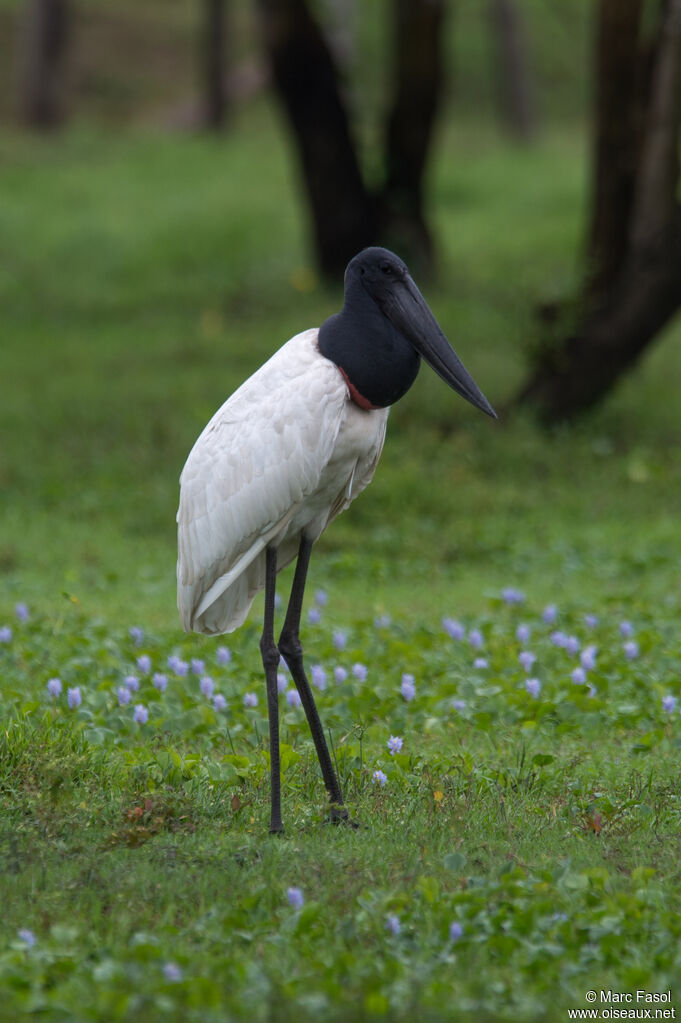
column 339, row 815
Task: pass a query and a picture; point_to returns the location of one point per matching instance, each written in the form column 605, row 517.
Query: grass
column 144, row 277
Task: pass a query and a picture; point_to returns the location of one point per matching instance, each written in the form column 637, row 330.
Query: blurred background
column 181, row 185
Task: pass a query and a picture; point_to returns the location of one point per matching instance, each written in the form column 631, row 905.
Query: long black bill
column 408, row 310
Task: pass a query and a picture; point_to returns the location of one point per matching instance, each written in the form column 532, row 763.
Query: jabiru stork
column 290, row 450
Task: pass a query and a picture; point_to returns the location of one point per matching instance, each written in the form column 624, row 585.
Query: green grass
column 143, row 277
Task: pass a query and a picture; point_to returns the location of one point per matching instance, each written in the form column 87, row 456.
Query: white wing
column 253, row 478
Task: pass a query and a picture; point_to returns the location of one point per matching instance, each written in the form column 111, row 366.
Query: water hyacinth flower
column 282, row 682
column 223, row 656
column 22, row 612
column 206, row 685
column 124, row 696
column 592, row 689
column 379, row 777
column 160, row 681
column 392, row 924
column 578, row 676
column 339, row 673
column 250, row 700
column 510, row 595
column 455, row 931
column 407, row 687
column 314, row 616
column 172, row 973
column 340, row 640
column 395, row 744
column 198, row 666
column 321, row 597
column 572, row 645
column 5, row 634
column 178, row 666
column 668, row 703
column 293, row 698
column 140, row 714
column 219, row 702
column 132, row 682
column 480, row 662
column 136, row 635
column 318, row 676
column 549, row 614
column 73, row 697
column 459, row 705
column 144, row 664
column 54, row 687
column 559, row 638
column 27, row 936
column 454, row 629
column 591, row 621
column 533, row 686
column 631, row 650
column 360, row 672
column 587, row 657
column 626, row 629
column 523, row 633
column 527, row 659
column 475, row 639
column 295, row 897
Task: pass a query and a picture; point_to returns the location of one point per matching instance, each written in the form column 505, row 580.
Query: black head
column 383, row 277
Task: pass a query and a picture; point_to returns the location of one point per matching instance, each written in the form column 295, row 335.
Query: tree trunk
column 417, row 81
column 346, row 214
column 343, row 211
column 45, row 38
column 213, row 63
column 633, row 280
column 515, row 88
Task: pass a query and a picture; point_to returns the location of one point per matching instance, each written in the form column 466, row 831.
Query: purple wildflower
column 631, row 650
column 459, row 705
column 379, row 777
column 392, row 924
column 207, row 686
column 533, row 686
column 124, row 696
column 587, row 657
column 523, row 633
column 382, row 621
column 54, row 687
column 250, row 700
column 510, row 595
column 219, row 702
column 141, row 714
column 455, row 931
column 668, row 703
column 578, row 676
column 318, row 676
column 282, row 682
column 549, row 614
column 314, row 616
column 559, row 638
column 321, row 597
column 407, row 687
column 591, row 621
column 160, row 681
column 395, row 744
column 172, row 973
column 454, row 629
column 144, row 664
column 22, row 612
column 626, row 629
column 73, row 697
column 295, row 897
column 223, row 656
column 572, row 645
column 475, row 639
column 27, row 936
column 293, row 697
column 198, row 666
column 480, row 663
column 339, row 673
column 136, row 635
column 132, row 682
column 5, row 634
column 360, row 672
column 340, row 640
column 527, row 659
column 178, row 666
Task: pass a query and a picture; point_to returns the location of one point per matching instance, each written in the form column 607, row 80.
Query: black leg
column 292, row 651
column 270, row 660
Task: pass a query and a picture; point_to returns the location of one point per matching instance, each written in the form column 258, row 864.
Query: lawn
column 520, row 847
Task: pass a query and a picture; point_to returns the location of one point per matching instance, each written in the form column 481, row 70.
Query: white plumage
column 285, row 454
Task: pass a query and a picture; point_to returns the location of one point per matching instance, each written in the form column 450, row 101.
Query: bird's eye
column 386, row 268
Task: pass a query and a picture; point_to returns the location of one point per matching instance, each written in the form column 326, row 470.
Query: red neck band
column 358, row 398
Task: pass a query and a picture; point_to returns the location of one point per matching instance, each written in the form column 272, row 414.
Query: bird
column 285, row 454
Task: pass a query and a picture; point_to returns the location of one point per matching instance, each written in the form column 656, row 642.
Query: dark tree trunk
column 417, row 81
column 213, row 63
column 515, row 88
column 346, row 214
column 632, row 284
column 304, row 73
column 45, row 38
